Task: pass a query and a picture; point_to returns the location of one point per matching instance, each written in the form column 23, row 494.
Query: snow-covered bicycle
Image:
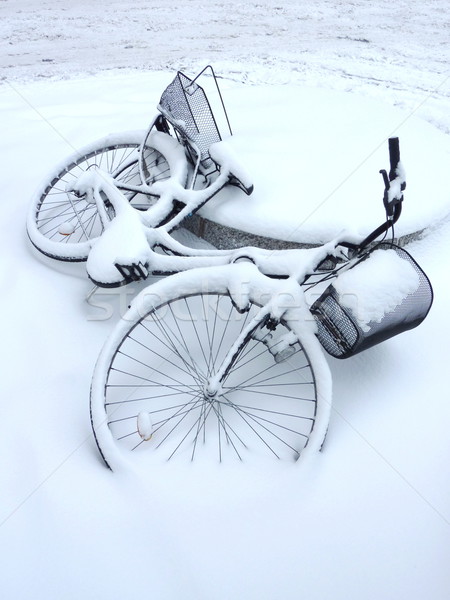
column 166, row 173
column 224, row 357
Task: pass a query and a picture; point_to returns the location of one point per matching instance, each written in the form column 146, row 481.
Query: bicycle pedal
column 133, row 272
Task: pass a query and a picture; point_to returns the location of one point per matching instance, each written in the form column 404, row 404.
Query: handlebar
column 394, row 185
column 394, row 157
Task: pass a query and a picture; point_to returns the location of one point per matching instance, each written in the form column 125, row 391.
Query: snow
column 123, row 241
column 395, row 187
column 376, row 286
column 144, row 425
column 325, row 183
column 223, row 154
column 367, row 518
column 173, row 153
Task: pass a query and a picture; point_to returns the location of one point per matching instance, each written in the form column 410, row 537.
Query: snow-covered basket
column 383, row 294
column 185, row 105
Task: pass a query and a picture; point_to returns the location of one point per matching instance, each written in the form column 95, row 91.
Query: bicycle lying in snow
column 166, row 173
column 223, row 356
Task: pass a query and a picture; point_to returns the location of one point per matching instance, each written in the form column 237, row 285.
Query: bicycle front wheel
column 62, row 226
column 149, row 393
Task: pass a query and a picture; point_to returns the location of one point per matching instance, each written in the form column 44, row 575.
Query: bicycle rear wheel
column 62, row 226
column 149, row 398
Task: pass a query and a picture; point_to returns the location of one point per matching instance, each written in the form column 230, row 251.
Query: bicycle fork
column 281, row 347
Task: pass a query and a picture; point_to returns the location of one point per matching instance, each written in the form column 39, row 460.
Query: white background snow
column 370, row 517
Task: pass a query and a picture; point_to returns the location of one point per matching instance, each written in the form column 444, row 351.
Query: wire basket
column 401, row 295
column 185, row 105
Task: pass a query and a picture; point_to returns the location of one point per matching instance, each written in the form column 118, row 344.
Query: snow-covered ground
column 400, row 47
column 368, row 518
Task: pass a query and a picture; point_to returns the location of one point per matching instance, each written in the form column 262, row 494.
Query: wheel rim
column 61, row 217
column 155, row 399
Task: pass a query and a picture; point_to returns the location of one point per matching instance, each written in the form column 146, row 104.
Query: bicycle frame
column 100, row 187
column 177, row 198
column 225, row 317
column 134, row 225
column 268, row 294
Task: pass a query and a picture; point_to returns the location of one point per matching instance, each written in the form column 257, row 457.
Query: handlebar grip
column 394, row 157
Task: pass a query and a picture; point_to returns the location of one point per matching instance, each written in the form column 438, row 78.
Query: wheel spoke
column 263, row 406
column 55, row 207
column 190, row 373
column 200, row 375
column 257, row 421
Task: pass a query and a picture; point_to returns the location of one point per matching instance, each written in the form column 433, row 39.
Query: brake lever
column 391, row 202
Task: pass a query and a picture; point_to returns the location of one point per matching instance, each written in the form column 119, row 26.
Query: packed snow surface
column 369, row 518
column 315, row 173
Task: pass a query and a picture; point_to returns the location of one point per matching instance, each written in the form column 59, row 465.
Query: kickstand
column 91, row 293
